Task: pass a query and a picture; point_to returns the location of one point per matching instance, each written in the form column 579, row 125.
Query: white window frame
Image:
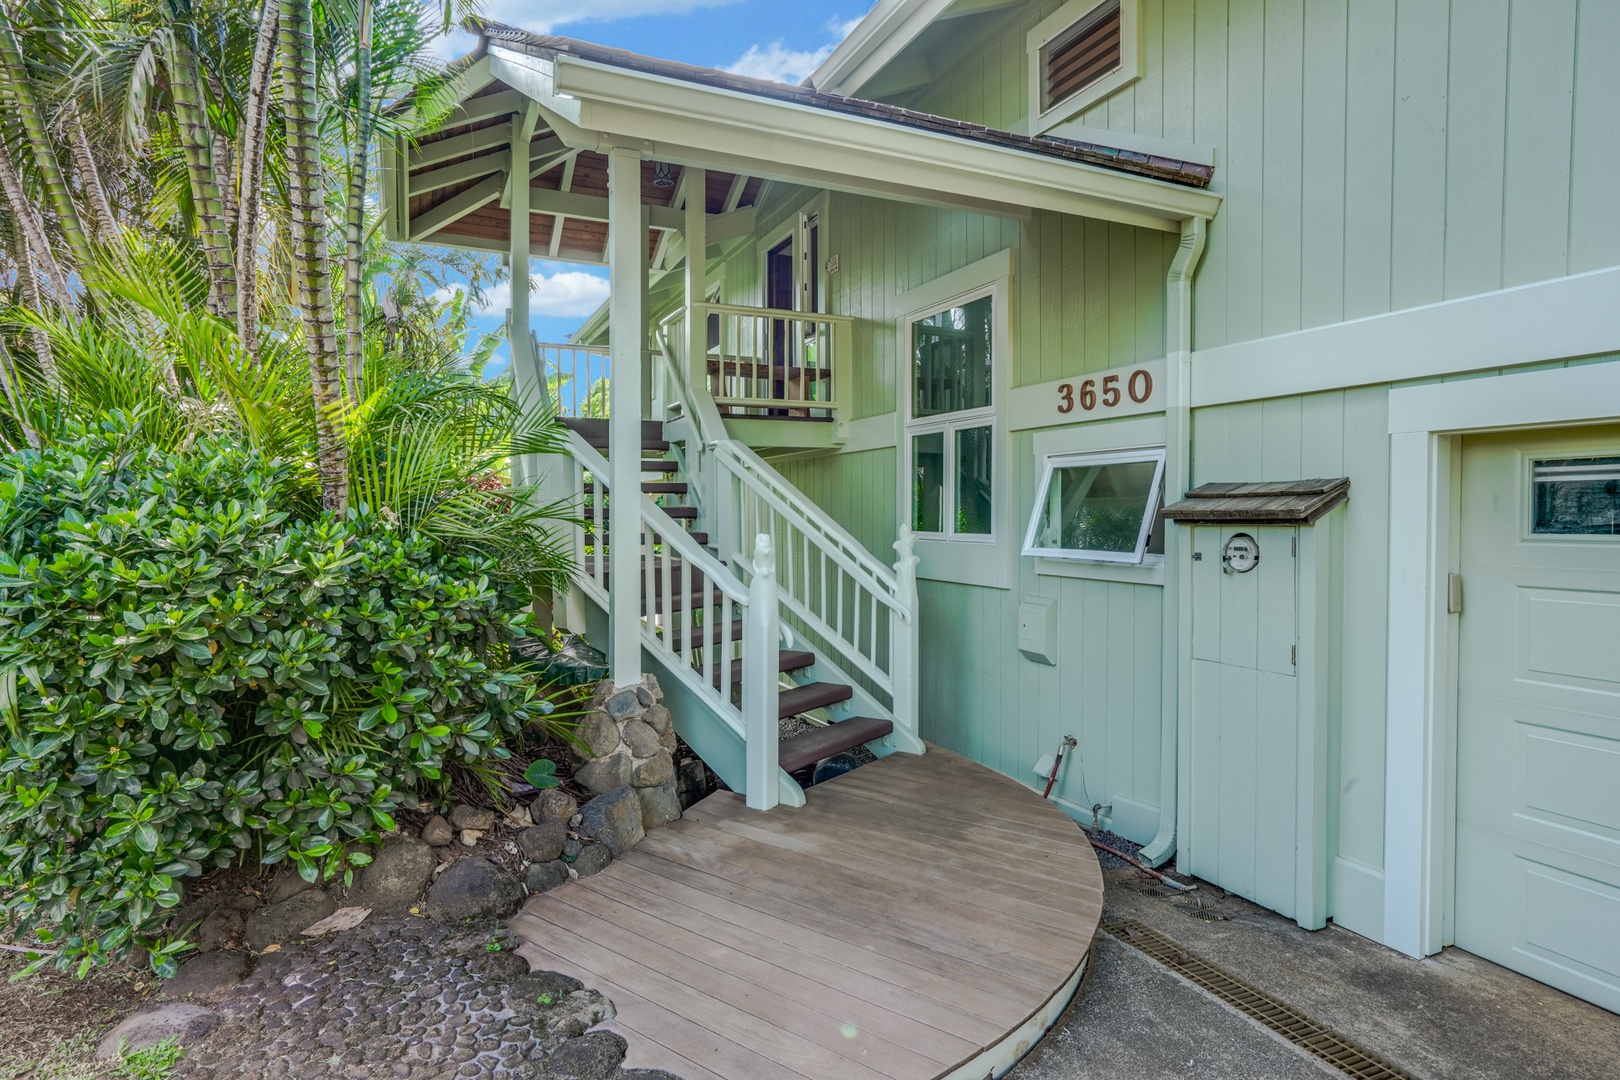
column 1055, row 26
column 1055, row 462
column 986, row 560
column 796, row 227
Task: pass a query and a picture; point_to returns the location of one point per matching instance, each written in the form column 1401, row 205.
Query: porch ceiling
column 579, row 100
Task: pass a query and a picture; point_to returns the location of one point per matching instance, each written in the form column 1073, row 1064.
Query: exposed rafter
column 460, row 172
column 498, row 137
column 431, row 221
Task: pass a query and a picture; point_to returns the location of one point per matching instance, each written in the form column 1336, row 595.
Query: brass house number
column 1105, row 393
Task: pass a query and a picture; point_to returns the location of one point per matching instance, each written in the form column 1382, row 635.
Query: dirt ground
column 50, row 1022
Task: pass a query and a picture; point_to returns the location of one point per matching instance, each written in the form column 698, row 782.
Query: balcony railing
column 767, row 363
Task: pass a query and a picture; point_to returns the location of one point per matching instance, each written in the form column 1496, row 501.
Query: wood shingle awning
column 1288, row 502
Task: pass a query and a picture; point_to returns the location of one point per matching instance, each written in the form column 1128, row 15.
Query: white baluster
column 760, row 636
column 903, row 633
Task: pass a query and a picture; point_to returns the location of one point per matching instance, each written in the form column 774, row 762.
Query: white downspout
column 1176, row 649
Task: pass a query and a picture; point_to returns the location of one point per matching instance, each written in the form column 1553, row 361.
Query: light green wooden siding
column 1087, row 295
column 1373, row 156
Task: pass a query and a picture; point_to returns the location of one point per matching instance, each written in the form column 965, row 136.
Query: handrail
column 576, row 376
column 674, row 566
column 785, row 314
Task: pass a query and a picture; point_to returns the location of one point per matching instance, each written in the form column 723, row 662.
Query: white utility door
column 1538, row 708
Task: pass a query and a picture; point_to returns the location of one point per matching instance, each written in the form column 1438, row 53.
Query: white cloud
column 778, row 63
column 546, row 16
column 566, row 294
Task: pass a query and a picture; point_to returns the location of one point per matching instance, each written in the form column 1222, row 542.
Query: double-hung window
column 1099, row 507
column 950, row 430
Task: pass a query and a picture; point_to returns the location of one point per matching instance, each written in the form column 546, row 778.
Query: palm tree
column 307, row 226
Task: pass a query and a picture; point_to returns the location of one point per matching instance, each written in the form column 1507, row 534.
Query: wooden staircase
column 687, row 607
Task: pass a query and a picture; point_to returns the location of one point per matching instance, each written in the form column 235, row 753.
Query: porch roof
column 563, row 104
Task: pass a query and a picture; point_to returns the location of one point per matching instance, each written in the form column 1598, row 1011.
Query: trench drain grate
column 1299, row 1029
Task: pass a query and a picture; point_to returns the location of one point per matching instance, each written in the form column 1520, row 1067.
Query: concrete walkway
column 1450, row 1017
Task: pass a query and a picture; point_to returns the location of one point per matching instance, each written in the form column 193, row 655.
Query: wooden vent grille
column 1083, row 55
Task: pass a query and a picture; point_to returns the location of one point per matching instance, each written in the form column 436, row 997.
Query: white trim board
column 1420, row 717
column 1558, row 319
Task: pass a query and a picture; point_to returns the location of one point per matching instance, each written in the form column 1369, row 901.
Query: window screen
column 1101, row 507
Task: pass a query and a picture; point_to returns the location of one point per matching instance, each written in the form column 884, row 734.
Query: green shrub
column 188, row 676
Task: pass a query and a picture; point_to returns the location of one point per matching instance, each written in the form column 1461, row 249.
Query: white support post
column 527, row 379
column 904, row 628
column 761, row 638
column 627, row 332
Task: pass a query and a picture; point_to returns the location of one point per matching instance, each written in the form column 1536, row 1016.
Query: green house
column 1224, row 384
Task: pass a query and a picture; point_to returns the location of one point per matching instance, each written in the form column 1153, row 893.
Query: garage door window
column 1575, row 497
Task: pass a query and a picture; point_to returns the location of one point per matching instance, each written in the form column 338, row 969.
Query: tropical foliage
column 190, row 674
column 261, row 560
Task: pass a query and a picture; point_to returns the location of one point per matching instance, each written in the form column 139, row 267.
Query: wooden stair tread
column 660, row 465
column 679, row 513
column 651, row 487
column 714, row 636
column 702, row 538
column 595, row 432
column 803, row 751
column 786, row 660
column 811, row 696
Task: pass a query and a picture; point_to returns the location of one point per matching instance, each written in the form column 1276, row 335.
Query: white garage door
column 1538, row 792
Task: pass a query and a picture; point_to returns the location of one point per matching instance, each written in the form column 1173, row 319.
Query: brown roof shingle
column 1185, row 173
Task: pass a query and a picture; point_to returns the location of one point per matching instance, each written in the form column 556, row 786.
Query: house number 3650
column 1109, row 393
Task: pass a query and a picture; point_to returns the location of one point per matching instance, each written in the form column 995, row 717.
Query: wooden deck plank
column 943, row 926
column 907, row 919
column 1040, row 898
column 757, row 1018
column 975, row 1013
column 827, row 961
column 666, row 1041
column 826, row 1006
column 1060, row 911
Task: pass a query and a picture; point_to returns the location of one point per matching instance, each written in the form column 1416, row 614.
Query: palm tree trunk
column 310, row 265
column 185, row 81
column 90, row 176
column 35, row 242
column 355, row 219
column 30, row 292
column 251, row 158
column 8, row 377
column 14, row 73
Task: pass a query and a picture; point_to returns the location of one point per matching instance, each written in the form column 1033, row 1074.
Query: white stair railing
column 690, row 601
column 830, row 587
column 575, row 377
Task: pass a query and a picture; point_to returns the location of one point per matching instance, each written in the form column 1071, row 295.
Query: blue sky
column 772, row 39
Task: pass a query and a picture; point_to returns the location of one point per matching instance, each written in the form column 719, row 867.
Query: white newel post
column 761, row 635
column 904, row 630
column 627, row 332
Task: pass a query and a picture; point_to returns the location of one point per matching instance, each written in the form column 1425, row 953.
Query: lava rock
column 282, row 922
column 185, row 1023
column 657, row 717
column 543, row 877
column 577, row 1011
column 398, row 873
column 206, row 975
column 553, row 805
column 613, row 819
column 571, row 849
column 544, row 842
column 474, row 888
column 474, row 818
column 655, row 771
column 668, row 741
column 641, row 738
column 218, row 930
column 596, row 1056
column 644, row 695
column 438, row 832
column 599, row 733
column 659, row 806
column 287, row 886
column 592, row 860
column 624, row 703
column 607, row 773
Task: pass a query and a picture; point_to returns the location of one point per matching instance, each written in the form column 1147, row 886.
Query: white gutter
column 1176, row 617
column 691, row 123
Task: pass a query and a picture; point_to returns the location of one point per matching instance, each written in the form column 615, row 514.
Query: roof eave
column 882, row 35
column 687, row 122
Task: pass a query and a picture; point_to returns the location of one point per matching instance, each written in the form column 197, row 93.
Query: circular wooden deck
column 922, row 917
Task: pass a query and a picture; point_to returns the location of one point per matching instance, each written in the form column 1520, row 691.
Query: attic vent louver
column 1087, row 52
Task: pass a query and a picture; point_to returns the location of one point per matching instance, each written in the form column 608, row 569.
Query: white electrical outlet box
column 1038, row 629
